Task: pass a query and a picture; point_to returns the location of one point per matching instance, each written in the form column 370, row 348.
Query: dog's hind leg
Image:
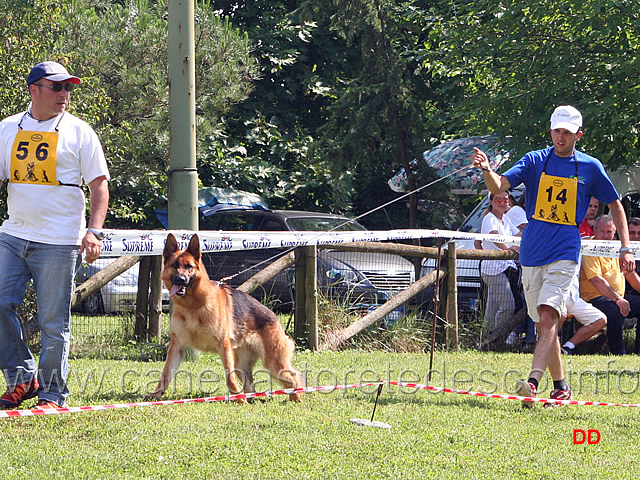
column 290, row 378
column 279, row 365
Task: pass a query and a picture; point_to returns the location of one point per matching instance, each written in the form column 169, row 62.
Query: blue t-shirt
column 545, row 242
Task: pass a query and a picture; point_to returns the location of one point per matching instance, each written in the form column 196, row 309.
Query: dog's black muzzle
column 180, row 283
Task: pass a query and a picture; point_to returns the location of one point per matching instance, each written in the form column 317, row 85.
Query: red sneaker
column 558, row 395
column 46, row 404
column 12, row 398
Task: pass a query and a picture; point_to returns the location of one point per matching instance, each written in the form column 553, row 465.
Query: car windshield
column 322, row 224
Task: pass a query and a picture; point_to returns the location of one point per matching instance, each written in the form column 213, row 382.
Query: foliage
column 264, row 145
column 315, row 105
column 125, row 48
column 120, row 52
column 517, row 60
column 25, row 39
column 335, row 114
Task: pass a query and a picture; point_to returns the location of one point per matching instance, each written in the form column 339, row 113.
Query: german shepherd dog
column 214, row 317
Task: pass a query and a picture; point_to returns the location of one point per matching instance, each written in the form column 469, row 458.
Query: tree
column 518, row 60
column 25, row 37
column 376, row 123
column 335, row 113
column 120, row 52
column 264, row 145
column 123, row 53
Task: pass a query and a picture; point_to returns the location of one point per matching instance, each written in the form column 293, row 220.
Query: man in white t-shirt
column 46, row 154
column 517, row 215
column 495, row 273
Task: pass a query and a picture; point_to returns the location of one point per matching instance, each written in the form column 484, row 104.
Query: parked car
column 357, row 279
column 469, row 281
column 118, row 295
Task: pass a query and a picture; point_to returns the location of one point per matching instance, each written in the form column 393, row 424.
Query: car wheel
column 94, row 304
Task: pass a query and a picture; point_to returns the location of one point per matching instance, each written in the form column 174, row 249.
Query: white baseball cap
column 566, row 116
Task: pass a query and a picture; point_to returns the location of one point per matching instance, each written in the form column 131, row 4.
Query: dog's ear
column 194, row 247
column 170, row 247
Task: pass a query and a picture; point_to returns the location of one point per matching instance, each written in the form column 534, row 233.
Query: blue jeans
column 615, row 321
column 52, row 268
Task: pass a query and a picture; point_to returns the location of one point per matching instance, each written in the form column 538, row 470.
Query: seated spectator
column 631, row 294
column 592, row 319
column 586, row 227
column 501, row 300
column 602, row 284
column 517, row 215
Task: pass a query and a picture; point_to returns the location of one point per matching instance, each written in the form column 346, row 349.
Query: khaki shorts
column 548, row 285
column 584, row 312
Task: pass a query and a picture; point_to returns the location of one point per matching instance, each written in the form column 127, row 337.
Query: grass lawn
column 433, row 435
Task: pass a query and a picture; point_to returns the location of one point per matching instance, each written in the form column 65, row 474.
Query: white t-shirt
column 50, row 213
column 517, row 215
column 491, row 223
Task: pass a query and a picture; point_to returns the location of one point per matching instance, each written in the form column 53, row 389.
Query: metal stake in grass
column 372, row 423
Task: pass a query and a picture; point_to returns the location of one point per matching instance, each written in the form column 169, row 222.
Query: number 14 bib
column 34, row 158
column 557, row 199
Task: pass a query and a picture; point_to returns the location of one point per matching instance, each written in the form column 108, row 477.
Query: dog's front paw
column 295, row 397
column 152, row 397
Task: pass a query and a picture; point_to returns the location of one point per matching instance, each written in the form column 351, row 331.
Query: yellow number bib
column 557, row 198
column 34, row 158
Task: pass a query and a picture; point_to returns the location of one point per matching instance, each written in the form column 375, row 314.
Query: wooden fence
column 149, row 301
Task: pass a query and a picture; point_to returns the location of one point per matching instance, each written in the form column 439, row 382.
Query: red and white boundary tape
column 509, row 397
column 288, row 391
column 220, row 398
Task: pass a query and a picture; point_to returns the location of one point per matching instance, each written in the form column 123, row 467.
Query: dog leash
column 81, row 263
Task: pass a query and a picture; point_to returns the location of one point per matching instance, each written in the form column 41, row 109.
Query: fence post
column 311, row 289
column 142, row 299
column 155, row 298
column 299, row 300
column 306, row 297
column 451, row 316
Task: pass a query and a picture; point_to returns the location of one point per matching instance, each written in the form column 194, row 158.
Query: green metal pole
column 183, row 176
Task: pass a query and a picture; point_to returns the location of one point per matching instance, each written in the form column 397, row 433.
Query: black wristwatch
column 99, row 234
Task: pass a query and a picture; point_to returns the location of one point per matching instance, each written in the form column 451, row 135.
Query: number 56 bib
column 34, row 158
column 557, row 199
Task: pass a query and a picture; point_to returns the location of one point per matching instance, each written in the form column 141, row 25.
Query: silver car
column 118, row 295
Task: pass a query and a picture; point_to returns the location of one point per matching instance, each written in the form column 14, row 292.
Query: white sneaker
column 512, row 339
column 526, row 389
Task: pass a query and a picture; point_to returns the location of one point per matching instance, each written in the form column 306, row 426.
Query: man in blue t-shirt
column 560, row 182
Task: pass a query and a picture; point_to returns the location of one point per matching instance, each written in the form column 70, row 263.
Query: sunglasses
column 500, row 200
column 57, row 87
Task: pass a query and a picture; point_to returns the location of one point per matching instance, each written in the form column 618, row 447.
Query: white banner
column 151, row 242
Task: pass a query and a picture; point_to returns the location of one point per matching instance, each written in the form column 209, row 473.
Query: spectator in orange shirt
column 602, row 284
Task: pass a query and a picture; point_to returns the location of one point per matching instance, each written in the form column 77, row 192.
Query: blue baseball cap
column 51, row 71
